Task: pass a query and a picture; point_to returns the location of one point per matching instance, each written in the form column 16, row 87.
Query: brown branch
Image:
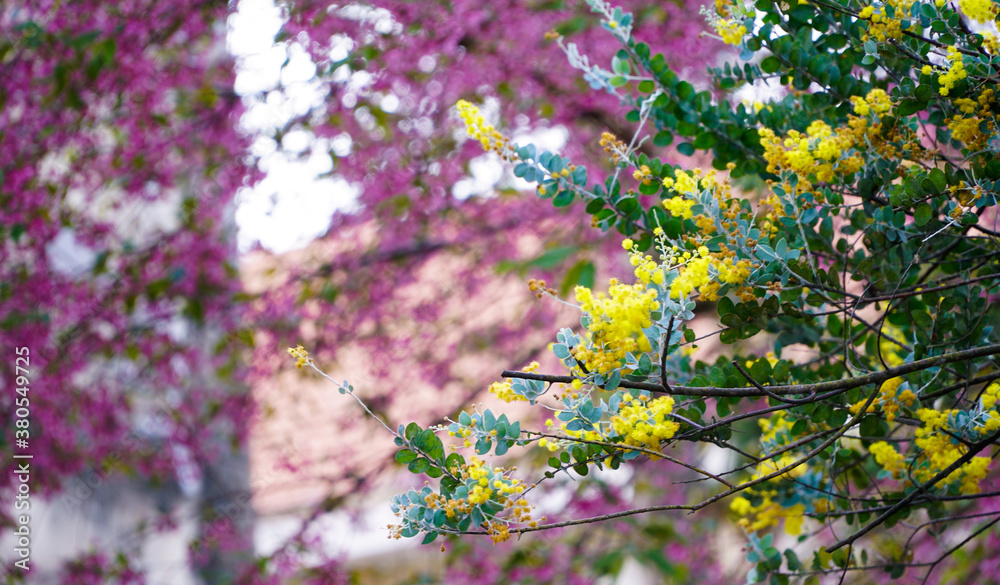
column 663, row 356
column 816, row 388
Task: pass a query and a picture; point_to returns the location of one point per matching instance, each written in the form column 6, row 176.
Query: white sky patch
column 296, row 200
column 293, row 204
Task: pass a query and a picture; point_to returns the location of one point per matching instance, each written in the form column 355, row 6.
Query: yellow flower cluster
column 697, row 267
column 504, row 389
column 483, row 485
column 464, row 433
column 642, row 422
column 819, row 151
column 967, row 130
column 990, row 396
column 767, row 514
column 890, row 399
column 505, row 392
column 965, row 127
column 697, row 271
column 616, row 323
column 687, row 183
column 823, row 153
column 727, row 25
column 733, row 272
column 478, row 128
column 484, row 482
column 694, row 276
column 643, row 174
column 981, row 11
column 731, row 31
column 955, row 73
column 880, row 25
column 301, row 355
column 941, row 450
column 965, row 105
column 890, row 459
column 876, row 101
column 646, row 269
column 613, row 146
column 679, row 207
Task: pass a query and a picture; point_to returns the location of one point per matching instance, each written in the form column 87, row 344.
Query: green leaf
column 908, row 107
column 770, row 64
column 429, row 443
column 761, row 371
column 922, row 319
column 581, row 274
column 684, row 90
column 923, row 214
column 870, row 426
column 563, row 199
column 663, row 139
column 405, row 456
column 552, row 258
column 924, row 92
column 645, row 365
column 731, row 320
column 673, row 228
column 419, row 465
column 780, row 371
column 729, row 336
column 705, row 140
